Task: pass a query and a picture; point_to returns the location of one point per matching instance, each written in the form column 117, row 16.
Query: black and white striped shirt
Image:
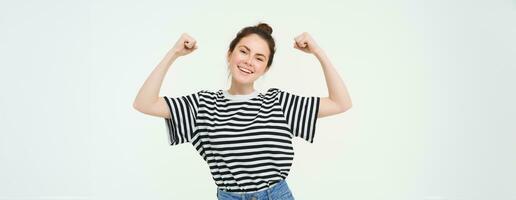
column 246, row 143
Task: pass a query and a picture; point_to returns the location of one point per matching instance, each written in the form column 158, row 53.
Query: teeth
column 245, row 70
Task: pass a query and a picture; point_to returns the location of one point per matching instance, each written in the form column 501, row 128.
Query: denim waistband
column 270, row 188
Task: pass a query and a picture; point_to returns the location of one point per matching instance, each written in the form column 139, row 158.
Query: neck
column 241, row 89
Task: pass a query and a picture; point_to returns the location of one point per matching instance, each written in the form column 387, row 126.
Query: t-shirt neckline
column 239, row 97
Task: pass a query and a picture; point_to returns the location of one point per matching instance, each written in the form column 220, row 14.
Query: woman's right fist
column 184, row 45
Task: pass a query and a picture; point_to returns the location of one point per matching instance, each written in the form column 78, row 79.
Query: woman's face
column 248, row 61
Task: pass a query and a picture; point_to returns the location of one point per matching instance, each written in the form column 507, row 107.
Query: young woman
column 244, row 135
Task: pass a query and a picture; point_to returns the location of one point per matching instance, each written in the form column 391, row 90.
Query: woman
column 244, row 135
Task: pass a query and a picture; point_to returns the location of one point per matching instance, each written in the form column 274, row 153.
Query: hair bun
column 265, row 28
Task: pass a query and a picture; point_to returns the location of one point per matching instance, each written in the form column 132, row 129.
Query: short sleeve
column 181, row 123
column 300, row 113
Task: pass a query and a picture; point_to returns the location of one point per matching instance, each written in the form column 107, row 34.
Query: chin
column 241, row 78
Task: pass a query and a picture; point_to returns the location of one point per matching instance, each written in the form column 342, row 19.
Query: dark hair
column 264, row 31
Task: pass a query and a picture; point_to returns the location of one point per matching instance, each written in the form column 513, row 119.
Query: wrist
column 318, row 53
column 172, row 53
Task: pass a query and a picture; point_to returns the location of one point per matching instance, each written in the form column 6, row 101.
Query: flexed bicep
column 327, row 107
column 158, row 108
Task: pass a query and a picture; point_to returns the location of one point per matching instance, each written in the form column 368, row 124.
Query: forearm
column 337, row 90
column 149, row 92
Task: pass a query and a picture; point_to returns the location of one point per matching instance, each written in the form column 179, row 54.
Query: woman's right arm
column 148, row 100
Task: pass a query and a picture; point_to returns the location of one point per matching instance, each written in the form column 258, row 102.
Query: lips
column 245, row 70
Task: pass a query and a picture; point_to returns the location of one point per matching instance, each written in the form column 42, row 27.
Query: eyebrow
column 259, row 54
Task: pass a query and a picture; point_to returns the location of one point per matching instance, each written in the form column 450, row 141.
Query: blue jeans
column 279, row 191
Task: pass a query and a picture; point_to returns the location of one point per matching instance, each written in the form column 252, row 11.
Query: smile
column 244, row 70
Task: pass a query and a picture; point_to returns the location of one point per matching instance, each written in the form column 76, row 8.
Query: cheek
column 235, row 59
column 263, row 64
column 261, row 68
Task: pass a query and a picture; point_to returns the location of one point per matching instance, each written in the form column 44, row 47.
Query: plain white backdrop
column 432, row 84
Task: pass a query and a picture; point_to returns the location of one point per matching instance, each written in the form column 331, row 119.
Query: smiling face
column 248, row 61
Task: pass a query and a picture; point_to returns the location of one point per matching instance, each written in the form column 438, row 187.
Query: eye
column 260, row 59
column 242, row 51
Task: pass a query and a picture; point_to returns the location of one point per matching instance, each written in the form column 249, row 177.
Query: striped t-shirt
column 247, row 142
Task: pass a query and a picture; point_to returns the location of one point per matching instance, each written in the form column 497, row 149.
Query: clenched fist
column 306, row 43
column 184, row 45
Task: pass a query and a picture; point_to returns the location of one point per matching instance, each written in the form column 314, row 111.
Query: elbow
column 144, row 107
column 137, row 106
column 345, row 107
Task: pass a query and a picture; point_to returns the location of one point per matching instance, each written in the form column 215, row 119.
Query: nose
column 248, row 60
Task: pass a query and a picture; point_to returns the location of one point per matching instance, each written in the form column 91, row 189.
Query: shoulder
column 199, row 94
column 273, row 92
column 209, row 93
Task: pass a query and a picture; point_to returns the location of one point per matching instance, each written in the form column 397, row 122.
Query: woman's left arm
column 338, row 100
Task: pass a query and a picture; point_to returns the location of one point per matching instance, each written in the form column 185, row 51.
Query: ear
column 227, row 56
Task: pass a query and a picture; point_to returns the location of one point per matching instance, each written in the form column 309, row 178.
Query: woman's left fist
column 306, row 43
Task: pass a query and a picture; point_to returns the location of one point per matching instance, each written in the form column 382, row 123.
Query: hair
column 261, row 29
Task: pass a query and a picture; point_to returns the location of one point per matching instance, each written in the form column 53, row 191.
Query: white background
column 432, row 84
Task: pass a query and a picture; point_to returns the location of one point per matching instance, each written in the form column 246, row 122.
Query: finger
column 193, row 43
column 295, row 45
column 301, row 37
column 301, row 43
column 298, row 41
column 296, row 38
column 190, row 44
column 305, row 38
column 189, row 41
